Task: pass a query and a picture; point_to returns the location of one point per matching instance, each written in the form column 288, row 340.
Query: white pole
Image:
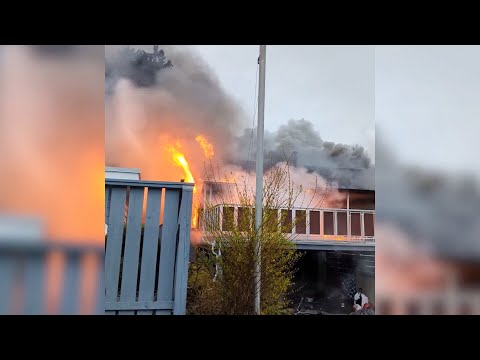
column 259, row 173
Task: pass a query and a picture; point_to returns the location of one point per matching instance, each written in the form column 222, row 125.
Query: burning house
column 181, row 124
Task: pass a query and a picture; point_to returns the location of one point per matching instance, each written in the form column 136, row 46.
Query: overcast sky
column 427, row 102
column 331, row 86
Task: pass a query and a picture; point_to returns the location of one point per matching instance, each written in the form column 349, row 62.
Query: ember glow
column 206, row 146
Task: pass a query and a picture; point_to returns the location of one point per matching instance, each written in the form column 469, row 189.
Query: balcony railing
column 324, row 224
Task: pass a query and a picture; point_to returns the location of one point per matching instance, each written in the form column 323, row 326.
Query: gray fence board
column 128, row 292
column 108, row 193
column 71, row 285
column 34, row 284
column 114, row 242
column 181, row 268
column 7, row 278
column 144, row 305
column 150, row 248
column 100, row 294
column 168, row 246
column 163, row 312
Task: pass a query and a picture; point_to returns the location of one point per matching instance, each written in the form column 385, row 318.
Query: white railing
column 350, row 225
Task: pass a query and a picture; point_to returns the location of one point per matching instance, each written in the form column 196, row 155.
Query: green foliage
column 222, row 279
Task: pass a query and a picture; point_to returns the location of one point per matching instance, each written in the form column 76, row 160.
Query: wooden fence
column 27, row 271
column 147, row 247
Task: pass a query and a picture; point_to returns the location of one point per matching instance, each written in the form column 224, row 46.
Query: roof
column 348, row 178
column 352, row 185
column 359, row 191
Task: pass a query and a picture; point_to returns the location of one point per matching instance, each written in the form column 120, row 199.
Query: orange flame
column 179, row 159
column 206, row 146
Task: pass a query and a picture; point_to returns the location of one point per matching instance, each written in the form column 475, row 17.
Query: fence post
column 181, row 268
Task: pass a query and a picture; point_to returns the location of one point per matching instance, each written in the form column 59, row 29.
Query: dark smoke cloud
column 185, row 99
column 175, row 84
column 138, row 66
column 298, row 141
column 438, row 211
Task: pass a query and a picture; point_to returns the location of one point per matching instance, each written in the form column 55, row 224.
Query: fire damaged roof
column 347, row 178
column 340, row 183
column 340, row 178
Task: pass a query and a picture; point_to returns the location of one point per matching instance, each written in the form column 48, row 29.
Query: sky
column 331, row 86
column 427, row 101
column 423, row 101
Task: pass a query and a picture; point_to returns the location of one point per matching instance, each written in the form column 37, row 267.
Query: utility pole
column 259, row 174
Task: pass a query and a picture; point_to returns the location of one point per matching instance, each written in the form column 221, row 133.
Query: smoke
column 171, row 96
column 427, row 231
column 153, row 103
column 308, row 189
column 438, row 211
column 299, row 142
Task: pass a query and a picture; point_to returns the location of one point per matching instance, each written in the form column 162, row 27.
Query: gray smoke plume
column 138, row 66
column 438, row 211
column 298, row 141
column 185, row 99
column 178, row 92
